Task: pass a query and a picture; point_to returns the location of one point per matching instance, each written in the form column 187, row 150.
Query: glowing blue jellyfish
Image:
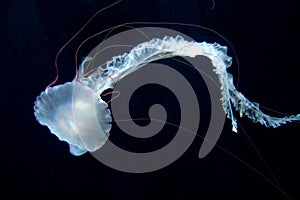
column 75, row 112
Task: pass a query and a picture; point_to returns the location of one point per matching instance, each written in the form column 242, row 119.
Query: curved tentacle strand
column 157, row 49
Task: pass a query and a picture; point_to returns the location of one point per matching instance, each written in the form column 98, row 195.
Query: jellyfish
column 75, row 112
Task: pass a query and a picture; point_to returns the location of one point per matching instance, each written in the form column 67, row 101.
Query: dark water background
column 37, row 166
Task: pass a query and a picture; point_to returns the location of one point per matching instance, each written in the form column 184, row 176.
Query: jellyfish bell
column 75, row 114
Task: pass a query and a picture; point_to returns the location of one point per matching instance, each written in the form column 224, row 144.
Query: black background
column 265, row 37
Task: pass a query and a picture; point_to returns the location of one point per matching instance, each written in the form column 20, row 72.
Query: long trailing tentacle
column 156, row 49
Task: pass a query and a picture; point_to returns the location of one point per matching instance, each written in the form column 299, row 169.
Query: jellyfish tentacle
column 156, row 49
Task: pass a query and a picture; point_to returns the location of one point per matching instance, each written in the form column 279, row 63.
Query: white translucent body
column 81, row 118
column 75, row 114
